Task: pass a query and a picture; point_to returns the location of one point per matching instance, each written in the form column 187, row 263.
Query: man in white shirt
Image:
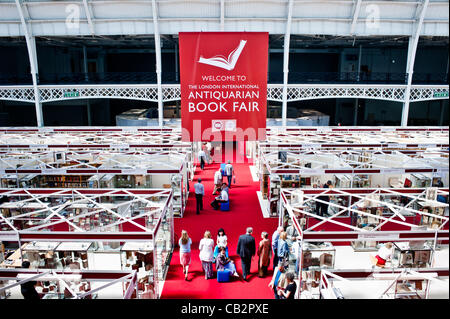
column 202, row 158
column 217, row 181
column 208, row 152
column 229, row 172
column 223, row 198
column 199, row 193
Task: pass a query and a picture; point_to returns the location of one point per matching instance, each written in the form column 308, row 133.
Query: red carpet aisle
column 245, row 211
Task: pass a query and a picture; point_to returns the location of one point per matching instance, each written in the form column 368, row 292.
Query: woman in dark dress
column 289, row 291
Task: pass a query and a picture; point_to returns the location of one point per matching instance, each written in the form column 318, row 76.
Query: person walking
column 295, row 250
column 283, row 248
column 246, row 249
column 199, row 193
column 206, row 247
column 275, row 237
column 208, row 152
column 202, row 158
column 278, row 280
column 185, row 252
column 264, row 251
column 323, row 207
column 229, row 172
column 217, row 181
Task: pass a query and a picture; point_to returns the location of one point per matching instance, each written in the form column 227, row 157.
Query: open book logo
column 221, row 61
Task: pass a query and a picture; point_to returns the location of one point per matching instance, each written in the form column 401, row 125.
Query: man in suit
column 246, row 249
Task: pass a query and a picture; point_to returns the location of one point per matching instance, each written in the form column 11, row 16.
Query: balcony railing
column 272, row 77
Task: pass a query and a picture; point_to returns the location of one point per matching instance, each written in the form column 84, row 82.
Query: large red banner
column 223, row 85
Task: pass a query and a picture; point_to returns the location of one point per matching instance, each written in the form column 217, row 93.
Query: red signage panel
column 223, row 77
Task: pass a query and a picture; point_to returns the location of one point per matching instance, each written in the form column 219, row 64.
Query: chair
column 225, row 206
column 223, row 276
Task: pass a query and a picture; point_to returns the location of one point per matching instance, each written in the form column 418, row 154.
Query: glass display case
column 420, row 180
column 316, row 256
column 139, row 256
column 107, row 181
column 179, row 194
column 435, row 208
column 412, row 254
column 9, row 181
column 164, row 243
column 274, row 194
column 342, row 181
column 72, row 255
column 48, row 287
column 265, row 185
column 41, row 254
column 29, row 181
column 361, row 181
column 124, row 181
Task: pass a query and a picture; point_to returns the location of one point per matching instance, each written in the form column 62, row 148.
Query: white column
column 176, row 61
column 287, row 38
column 85, row 69
column 31, row 47
column 355, row 113
column 412, row 49
column 89, row 16
column 222, row 15
column 441, row 118
column 357, row 8
column 158, row 63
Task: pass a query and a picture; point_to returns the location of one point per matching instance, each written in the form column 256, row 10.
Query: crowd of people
column 216, row 253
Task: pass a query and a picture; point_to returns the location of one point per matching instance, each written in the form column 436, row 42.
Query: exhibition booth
column 98, row 169
column 348, row 169
column 90, row 229
column 383, row 284
column 363, row 219
column 81, row 284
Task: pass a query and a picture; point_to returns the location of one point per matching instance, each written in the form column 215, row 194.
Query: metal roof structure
column 317, row 162
column 89, row 138
column 336, row 137
column 108, row 278
column 92, row 162
column 306, row 17
column 330, row 277
column 40, row 214
column 403, row 230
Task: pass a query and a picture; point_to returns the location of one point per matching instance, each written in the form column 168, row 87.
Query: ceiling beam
column 412, row 49
column 355, row 16
column 89, row 16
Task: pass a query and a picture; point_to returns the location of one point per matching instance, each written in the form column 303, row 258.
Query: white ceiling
column 309, row 17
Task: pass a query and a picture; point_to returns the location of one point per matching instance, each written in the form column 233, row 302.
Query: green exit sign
column 71, row 94
column 440, row 94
